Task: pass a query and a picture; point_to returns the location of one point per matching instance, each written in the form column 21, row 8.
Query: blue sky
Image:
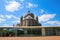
column 48, row 11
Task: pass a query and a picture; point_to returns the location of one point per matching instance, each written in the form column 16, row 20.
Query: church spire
column 29, row 11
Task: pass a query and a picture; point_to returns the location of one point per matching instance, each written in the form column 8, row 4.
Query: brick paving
column 31, row 38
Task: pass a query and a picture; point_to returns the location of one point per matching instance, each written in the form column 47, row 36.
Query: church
column 29, row 26
column 29, row 20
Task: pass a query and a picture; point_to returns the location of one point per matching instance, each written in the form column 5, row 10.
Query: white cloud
column 42, row 11
column 16, row 21
column 21, row 0
column 29, row 5
column 11, row 16
column 6, row 25
column 53, row 23
column 1, row 16
column 8, row 16
column 46, row 17
column 2, row 20
column 13, row 6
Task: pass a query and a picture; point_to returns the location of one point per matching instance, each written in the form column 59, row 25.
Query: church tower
column 21, row 20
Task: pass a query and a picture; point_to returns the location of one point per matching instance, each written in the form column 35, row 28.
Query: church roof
column 29, row 14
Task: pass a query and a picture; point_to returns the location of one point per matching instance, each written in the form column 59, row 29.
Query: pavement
column 31, row 38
